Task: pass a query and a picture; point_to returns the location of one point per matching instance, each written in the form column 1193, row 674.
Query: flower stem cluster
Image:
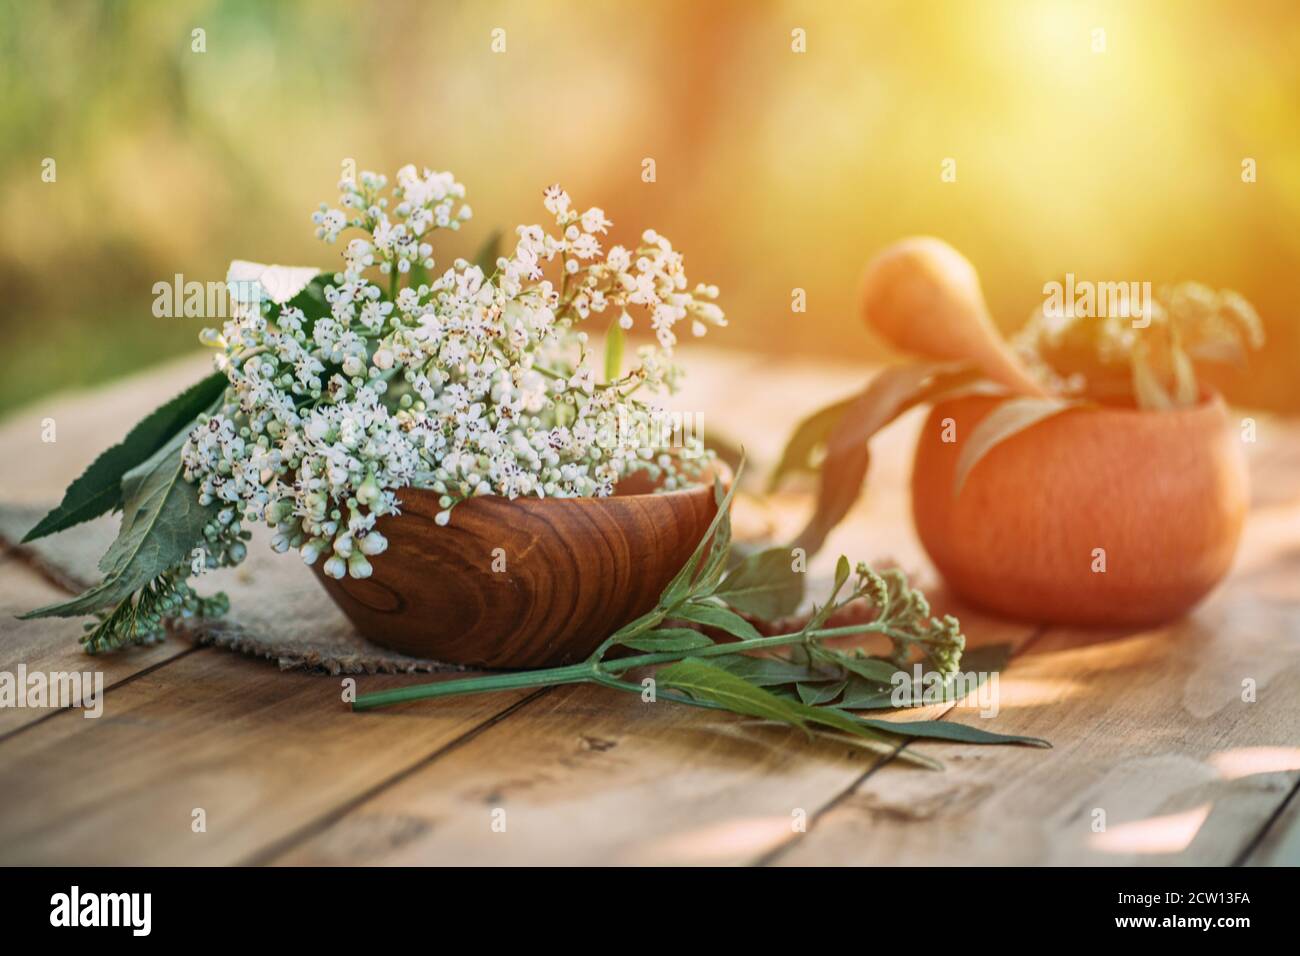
column 465, row 381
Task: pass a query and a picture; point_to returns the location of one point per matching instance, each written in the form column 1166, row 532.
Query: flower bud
column 358, row 566
column 369, row 492
column 312, row 550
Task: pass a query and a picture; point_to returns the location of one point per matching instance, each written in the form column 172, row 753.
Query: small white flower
column 593, row 220
column 452, row 384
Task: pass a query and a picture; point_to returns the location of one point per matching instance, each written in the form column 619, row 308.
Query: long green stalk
column 593, row 671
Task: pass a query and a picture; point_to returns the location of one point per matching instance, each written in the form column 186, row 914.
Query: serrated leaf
column 669, row 639
column 613, row 351
column 703, row 681
column 890, row 393
column 722, row 618
column 162, row 521
column 764, row 585
column 1006, row 420
column 489, row 252
column 98, row 490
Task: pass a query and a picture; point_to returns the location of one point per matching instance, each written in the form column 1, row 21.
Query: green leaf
column 489, row 252
column 711, row 615
column 669, row 639
column 162, row 522
column 1010, row 418
column 947, row 730
column 311, row 300
column 768, row 671
column 726, row 449
column 888, row 743
column 809, row 435
column 868, row 668
column 865, row 694
column 680, row 585
column 987, row 659
column 613, row 351
column 892, row 392
column 719, row 551
column 703, row 681
column 99, row 489
column 814, row 694
column 764, row 585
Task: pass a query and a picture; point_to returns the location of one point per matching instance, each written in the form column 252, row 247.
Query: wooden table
column 1150, row 728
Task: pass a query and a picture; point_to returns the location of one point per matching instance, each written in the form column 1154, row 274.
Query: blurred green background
column 775, row 170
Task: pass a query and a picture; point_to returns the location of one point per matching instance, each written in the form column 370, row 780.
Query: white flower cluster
column 465, row 383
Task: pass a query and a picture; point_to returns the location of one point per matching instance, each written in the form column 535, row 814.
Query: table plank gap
column 1278, row 841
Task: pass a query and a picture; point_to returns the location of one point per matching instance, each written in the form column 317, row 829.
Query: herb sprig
column 795, row 678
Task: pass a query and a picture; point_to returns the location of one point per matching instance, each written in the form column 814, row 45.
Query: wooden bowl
column 1164, row 494
column 525, row 583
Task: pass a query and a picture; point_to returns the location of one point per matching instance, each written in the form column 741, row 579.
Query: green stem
column 595, row 671
column 574, row 674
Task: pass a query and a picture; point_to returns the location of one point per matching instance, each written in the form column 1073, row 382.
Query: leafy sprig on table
column 166, row 535
column 147, row 566
column 796, row 678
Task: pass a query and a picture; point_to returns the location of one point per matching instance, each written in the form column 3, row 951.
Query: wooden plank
column 51, row 645
column 262, row 753
column 289, row 775
column 590, row 776
column 1279, row 844
column 1150, row 729
column 36, row 470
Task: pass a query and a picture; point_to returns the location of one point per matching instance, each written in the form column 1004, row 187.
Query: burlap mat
column 278, row 609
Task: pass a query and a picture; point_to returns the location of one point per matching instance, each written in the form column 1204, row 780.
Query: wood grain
column 587, row 775
column 51, row 645
column 264, row 754
column 1149, row 728
column 523, row 583
column 1279, row 843
column 1148, row 725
